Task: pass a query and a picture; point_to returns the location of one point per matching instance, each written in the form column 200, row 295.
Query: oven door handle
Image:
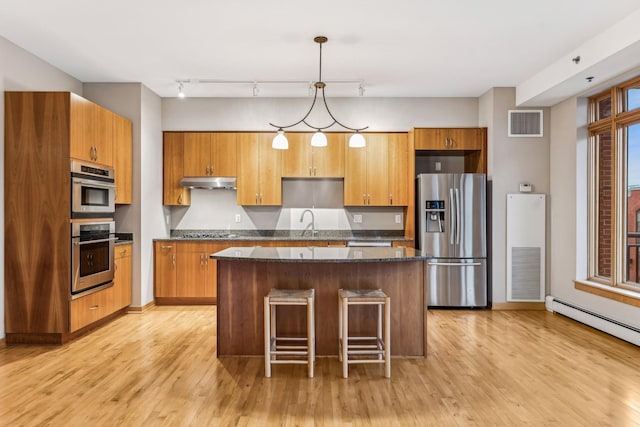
column 94, row 183
column 84, row 242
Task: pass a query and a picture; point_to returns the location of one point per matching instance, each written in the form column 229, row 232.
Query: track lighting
column 319, row 139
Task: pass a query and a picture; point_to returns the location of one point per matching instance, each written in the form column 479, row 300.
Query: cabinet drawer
column 87, row 310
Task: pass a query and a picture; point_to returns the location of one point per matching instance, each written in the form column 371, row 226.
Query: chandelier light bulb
column 280, row 142
column 357, row 140
column 319, row 139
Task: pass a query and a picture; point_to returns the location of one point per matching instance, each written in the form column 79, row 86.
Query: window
column 614, row 186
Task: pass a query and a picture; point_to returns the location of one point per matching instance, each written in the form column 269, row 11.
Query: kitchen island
column 246, row 274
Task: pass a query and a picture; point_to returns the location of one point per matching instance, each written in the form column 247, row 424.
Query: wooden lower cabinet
column 89, row 309
column 123, row 275
column 164, row 270
column 185, row 274
column 93, row 307
column 196, row 272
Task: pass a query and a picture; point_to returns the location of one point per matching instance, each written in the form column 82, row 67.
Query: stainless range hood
column 209, row 182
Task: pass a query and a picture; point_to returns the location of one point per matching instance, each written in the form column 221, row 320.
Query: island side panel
column 243, row 284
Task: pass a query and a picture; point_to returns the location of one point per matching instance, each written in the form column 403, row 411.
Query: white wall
column 511, row 161
column 254, row 114
column 152, row 213
column 21, row 71
column 568, row 166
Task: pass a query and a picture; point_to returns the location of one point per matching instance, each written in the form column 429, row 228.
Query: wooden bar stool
column 292, row 349
column 367, row 349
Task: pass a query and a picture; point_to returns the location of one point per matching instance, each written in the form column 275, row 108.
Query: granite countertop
column 319, row 254
column 124, row 238
column 291, row 235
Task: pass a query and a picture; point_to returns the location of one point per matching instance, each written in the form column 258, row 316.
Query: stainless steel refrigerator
column 451, row 213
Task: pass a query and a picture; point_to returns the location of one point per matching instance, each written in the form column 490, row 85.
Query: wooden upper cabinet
column 259, row 170
column 355, row 176
column 209, row 154
column 398, row 167
column 302, row 160
column 377, row 170
column 448, row 138
column 173, row 153
column 91, row 132
column 376, row 175
column 122, row 159
column 224, row 154
column 197, row 153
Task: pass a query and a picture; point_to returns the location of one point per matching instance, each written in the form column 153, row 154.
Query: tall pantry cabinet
column 43, row 131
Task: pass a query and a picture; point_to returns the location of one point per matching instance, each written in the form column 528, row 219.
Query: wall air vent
column 525, row 123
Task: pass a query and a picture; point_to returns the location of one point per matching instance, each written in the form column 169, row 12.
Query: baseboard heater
column 610, row 326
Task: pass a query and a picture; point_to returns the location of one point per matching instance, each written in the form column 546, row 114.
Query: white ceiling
column 405, row 48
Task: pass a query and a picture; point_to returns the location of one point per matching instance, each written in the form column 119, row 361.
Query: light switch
column 398, row 219
column 237, row 217
column 438, row 166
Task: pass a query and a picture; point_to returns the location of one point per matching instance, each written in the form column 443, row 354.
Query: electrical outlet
column 238, row 219
column 398, row 219
column 357, row 219
column 438, row 166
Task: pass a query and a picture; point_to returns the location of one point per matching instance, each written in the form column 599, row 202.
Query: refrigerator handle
column 452, row 224
column 457, row 216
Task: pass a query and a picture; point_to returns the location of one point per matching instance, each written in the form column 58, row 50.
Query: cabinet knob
column 180, row 198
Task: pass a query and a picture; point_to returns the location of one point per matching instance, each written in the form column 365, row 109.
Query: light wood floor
column 483, row 368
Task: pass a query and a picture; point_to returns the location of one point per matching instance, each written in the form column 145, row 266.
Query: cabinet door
column 355, row 175
column 247, row 182
column 122, row 159
column 192, row 274
column 398, row 166
column 173, row 193
column 197, row 154
column 297, row 160
column 269, row 172
column 122, row 277
column 467, row 138
column 103, row 143
column 328, row 162
column 377, row 170
column 196, row 274
column 429, row 139
column 83, row 116
column 223, row 154
column 164, row 270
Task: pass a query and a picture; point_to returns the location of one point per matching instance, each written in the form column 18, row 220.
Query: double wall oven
column 92, row 228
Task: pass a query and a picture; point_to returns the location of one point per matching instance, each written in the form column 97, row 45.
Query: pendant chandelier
column 319, row 139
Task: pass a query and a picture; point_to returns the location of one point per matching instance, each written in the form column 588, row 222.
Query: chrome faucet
column 313, row 222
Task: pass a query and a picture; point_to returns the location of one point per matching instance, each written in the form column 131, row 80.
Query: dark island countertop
column 319, row 254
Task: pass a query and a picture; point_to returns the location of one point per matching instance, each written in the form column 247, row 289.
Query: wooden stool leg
column 310, row 337
column 267, row 338
column 345, row 338
column 379, row 335
column 340, row 328
column 387, row 337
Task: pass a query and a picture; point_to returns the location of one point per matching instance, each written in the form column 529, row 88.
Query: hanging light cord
column 319, row 85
